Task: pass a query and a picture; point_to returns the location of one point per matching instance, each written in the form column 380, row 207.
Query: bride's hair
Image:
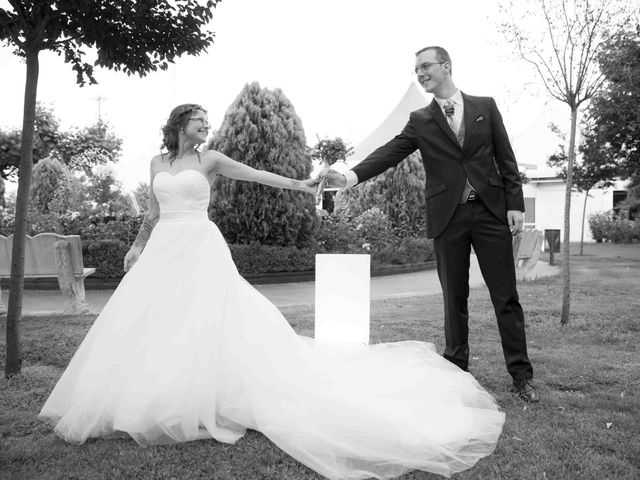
column 178, row 118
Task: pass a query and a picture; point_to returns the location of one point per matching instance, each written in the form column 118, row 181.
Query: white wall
column 549, row 201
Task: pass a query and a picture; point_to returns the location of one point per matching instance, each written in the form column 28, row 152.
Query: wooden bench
column 49, row 255
column 526, row 251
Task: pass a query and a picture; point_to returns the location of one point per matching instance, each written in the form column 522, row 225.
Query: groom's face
column 430, row 71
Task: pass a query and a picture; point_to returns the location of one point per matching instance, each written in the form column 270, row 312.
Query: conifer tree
column 261, row 129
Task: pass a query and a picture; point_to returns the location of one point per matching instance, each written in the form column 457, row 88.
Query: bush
column 105, row 243
column 258, row 258
column 7, row 219
column 106, row 256
column 124, row 228
column 106, row 240
column 398, row 192
column 336, row 235
column 406, row 250
column 373, row 227
column 371, row 233
column 615, row 228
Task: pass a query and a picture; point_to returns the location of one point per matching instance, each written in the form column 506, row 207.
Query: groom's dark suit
column 487, row 160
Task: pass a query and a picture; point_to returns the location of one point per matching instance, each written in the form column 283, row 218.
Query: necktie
column 449, row 110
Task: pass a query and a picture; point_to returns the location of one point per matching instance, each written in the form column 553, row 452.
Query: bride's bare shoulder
column 211, row 158
column 157, row 161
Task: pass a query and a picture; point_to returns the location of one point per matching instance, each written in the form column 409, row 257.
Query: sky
column 344, row 65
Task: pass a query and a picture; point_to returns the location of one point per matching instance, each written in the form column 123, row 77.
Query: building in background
column 544, row 196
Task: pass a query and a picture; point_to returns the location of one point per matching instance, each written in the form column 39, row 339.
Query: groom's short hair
column 441, row 53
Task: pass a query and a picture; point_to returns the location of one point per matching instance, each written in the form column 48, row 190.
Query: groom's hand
column 516, row 221
column 335, row 179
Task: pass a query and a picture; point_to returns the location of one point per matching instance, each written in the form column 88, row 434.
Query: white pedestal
column 342, row 299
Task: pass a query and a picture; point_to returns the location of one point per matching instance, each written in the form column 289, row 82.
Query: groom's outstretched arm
column 387, row 156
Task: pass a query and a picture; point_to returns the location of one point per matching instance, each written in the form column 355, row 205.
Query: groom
column 473, row 198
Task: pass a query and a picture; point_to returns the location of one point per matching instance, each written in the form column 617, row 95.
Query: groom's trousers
column 474, row 225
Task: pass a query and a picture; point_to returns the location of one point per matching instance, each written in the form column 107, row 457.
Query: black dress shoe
column 525, row 390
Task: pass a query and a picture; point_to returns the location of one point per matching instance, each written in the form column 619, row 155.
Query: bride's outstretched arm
column 150, row 219
column 228, row 167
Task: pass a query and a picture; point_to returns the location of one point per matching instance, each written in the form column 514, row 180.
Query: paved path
column 48, row 302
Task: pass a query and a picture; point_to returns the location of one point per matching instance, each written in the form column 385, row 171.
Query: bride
column 186, row 349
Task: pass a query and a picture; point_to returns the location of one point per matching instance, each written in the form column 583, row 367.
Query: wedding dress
column 186, row 349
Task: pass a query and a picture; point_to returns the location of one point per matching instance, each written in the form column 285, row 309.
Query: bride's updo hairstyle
column 178, row 118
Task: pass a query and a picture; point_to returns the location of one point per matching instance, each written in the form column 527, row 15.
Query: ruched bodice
column 186, row 191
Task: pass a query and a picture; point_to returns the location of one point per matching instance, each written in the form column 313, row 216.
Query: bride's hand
column 131, row 258
column 311, row 185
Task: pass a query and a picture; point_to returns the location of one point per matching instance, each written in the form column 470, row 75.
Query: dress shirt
column 458, row 109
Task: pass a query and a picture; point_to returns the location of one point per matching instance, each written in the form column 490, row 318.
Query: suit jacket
column 486, row 158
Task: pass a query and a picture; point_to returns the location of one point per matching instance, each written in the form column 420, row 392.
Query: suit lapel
column 470, row 113
column 441, row 121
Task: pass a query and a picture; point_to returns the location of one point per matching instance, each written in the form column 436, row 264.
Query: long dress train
column 186, row 349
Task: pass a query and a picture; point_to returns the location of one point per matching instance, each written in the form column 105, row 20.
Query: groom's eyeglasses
column 424, row 67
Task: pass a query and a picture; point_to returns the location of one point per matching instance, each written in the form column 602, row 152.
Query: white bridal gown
column 186, row 349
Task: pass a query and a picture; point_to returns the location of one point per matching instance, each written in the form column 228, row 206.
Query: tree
column 564, row 54
column 83, row 149
column 2, row 190
column 398, row 192
column 141, row 194
column 589, row 174
column 262, row 130
column 133, row 37
column 105, row 190
column 51, row 180
column 77, row 148
column 613, row 127
column 46, row 139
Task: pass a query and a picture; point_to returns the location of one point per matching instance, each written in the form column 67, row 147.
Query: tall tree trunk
column 2, row 190
column 16, row 284
column 584, row 213
column 566, row 249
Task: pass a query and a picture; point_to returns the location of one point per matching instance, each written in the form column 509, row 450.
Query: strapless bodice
column 182, row 194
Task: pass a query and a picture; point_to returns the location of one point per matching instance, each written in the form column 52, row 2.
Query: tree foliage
column 398, row 192
column 590, row 171
column 52, row 186
column 46, row 139
column 78, row 148
column 84, row 148
column 612, row 135
column 133, row 37
column 104, row 190
column 141, row 194
column 262, row 130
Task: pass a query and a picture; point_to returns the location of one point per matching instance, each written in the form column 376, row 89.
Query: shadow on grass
column 585, row 427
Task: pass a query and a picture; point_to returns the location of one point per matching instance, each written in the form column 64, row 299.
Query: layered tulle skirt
column 186, row 349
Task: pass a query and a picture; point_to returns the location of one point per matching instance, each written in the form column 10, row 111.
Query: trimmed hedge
column 407, row 250
column 258, row 258
column 106, row 256
column 105, row 241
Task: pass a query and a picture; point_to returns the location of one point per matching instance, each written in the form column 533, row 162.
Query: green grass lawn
column 587, row 425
